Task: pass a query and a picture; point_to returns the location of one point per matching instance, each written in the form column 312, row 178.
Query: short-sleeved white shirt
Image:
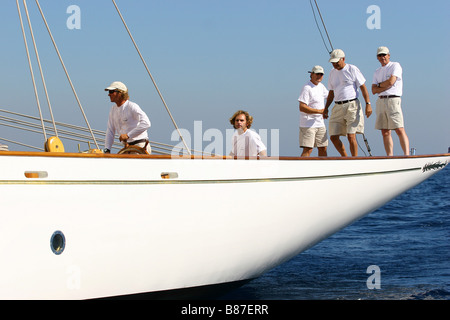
column 345, row 82
column 314, row 97
column 384, row 73
column 247, row 144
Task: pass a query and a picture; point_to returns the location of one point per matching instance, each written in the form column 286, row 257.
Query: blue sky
column 213, row 57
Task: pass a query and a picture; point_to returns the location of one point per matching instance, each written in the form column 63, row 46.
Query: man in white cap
column 388, row 84
column 347, row 118
column 313, row 132
column 126, row 119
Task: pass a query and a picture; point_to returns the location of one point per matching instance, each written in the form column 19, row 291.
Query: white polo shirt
column 385, row 73
column 129, row 119
column 346, row 82
column 247, row 144
column 314, row 97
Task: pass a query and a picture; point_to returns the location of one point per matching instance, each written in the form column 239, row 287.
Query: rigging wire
column 367, row 144
column 323, row 24
column 79, row 133
column 151, row 77
column 40, row 67
column 22, row 144
column 67, row 74
column 31, row 70
column 329, row 51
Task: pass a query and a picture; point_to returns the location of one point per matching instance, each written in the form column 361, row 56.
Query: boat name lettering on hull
column 434, row 166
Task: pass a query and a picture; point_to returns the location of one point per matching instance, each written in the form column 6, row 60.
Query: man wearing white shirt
column 347, row 117
column 126, row 119
column 245, row 142
column 388, row 84
column 313, row 132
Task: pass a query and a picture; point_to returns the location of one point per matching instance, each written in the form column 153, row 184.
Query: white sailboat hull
column 128, row 231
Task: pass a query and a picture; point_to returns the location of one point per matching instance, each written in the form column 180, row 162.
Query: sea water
column 399, row 252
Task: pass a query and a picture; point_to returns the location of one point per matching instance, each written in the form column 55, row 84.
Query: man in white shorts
column 245, row 142
column 313, row 132
column 388, row 84
column 347, row 117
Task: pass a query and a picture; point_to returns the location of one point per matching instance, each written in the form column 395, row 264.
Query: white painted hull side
column 128, row 231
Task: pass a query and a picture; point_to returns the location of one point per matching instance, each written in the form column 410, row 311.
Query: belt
column 345, row 101
column 387, row 97
column 137, row 141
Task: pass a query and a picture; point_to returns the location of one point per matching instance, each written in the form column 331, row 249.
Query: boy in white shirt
column 245, row 142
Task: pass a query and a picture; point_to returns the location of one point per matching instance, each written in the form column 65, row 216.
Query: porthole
column 57, row 242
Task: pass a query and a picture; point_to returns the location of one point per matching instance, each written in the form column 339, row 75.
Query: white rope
column 31, row 70
column 67, row 74
column 151, row 77
column 76, row 132
column 22, row 144
column 40, row 67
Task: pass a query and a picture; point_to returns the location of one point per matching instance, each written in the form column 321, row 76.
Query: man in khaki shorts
column 313, row 132
column 347, row 117
column 388, row 84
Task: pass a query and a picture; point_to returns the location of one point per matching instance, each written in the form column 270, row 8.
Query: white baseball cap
column 317, row 69
column 382, row 50
column 117, row 85
column 336, row 55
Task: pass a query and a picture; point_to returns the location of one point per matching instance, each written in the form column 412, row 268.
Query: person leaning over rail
column 388, row 84
column 347, row 117
column 313, row 132
column 126, row 119
column 245, row 142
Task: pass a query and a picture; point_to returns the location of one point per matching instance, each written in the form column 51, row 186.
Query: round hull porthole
column 57, row 242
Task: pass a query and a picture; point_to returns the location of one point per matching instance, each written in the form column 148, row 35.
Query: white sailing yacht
column 179, row 234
